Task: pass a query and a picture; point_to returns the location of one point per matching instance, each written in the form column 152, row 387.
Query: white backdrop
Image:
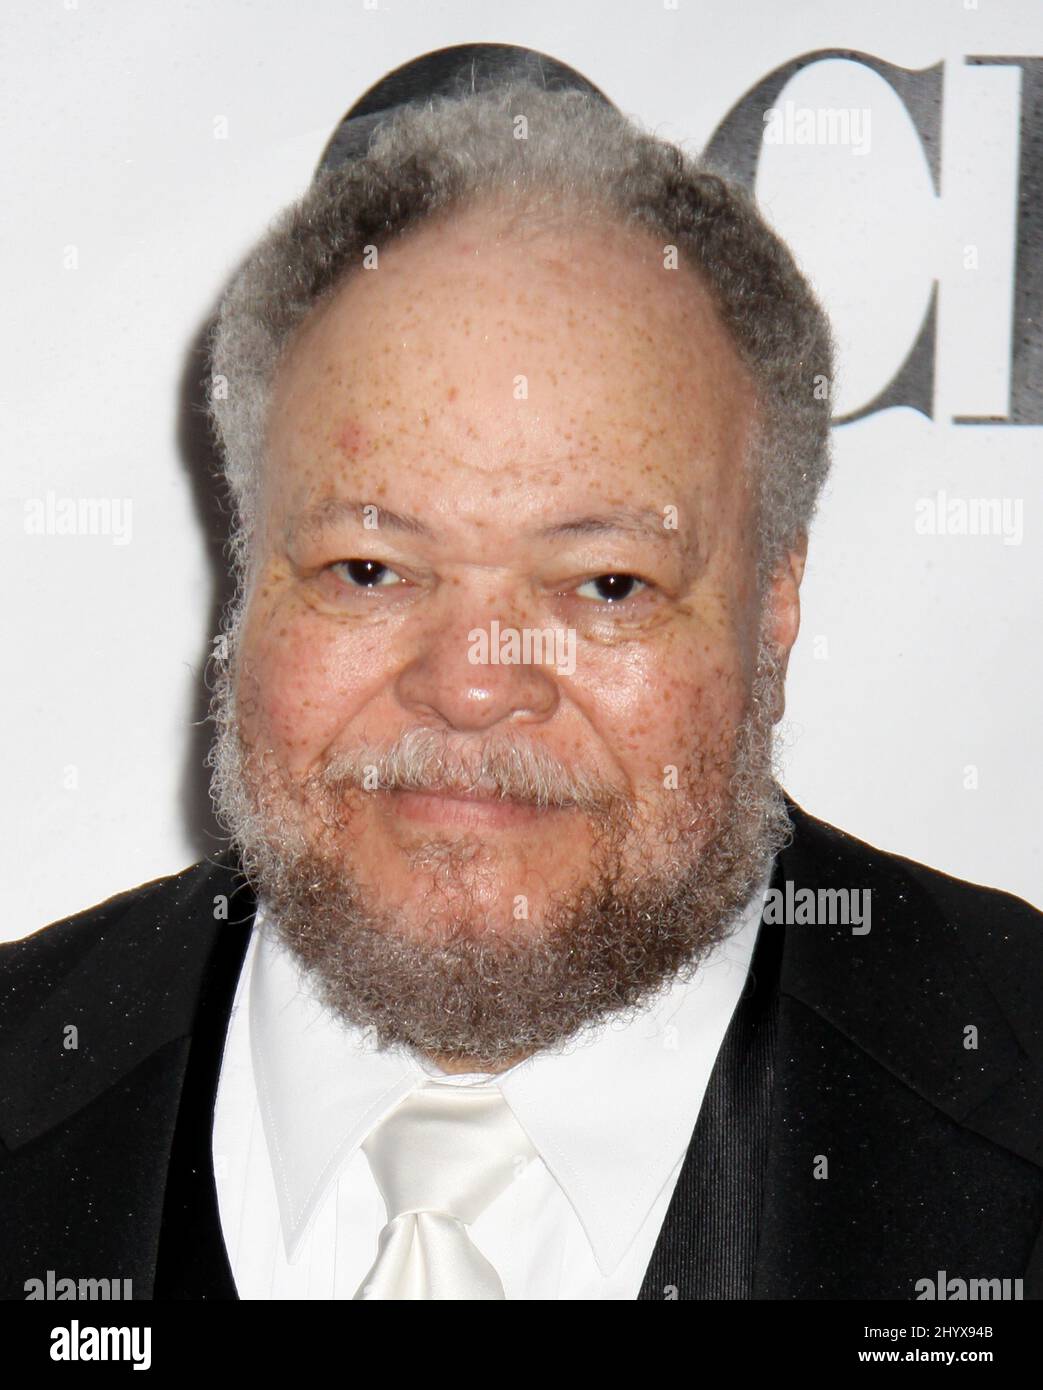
column 147, row 145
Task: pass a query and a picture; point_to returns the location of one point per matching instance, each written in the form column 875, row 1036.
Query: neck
column 458, row 1066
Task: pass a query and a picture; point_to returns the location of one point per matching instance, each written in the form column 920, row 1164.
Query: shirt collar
column 611, row 1113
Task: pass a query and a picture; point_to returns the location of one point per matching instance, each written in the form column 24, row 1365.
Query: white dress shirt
column 610, row 1116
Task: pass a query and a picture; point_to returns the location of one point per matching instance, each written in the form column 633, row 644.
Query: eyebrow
column 629, row 520
column 642, row 521
column 334, row 510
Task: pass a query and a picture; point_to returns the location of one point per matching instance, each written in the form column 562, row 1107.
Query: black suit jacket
column 846, row 1048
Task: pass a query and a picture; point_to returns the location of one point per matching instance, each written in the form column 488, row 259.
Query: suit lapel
column 192, row 1262
column 96, row 1122
column 894, row 1152
column 708, row 1242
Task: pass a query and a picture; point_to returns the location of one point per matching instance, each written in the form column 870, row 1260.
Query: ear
column 783, row 604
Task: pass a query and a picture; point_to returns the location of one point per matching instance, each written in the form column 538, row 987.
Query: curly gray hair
column 579, row 157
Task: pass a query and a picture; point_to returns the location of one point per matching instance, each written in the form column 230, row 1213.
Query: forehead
column 482, row 348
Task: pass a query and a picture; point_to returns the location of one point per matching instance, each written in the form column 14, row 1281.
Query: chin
column 450, row 926
column 472, row 905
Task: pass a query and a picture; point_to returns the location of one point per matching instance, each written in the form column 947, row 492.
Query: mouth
column 477, row 809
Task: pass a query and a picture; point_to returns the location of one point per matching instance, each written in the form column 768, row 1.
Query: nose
column 448, row 681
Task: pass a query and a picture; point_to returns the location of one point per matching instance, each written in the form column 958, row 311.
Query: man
column 521, row 977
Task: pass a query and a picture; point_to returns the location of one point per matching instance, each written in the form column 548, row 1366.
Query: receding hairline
column 434, row 158
column 531, row 215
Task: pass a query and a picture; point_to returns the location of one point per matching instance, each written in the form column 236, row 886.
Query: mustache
column 423, row 760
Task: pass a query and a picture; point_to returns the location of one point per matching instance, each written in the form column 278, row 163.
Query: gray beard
column 604, row 947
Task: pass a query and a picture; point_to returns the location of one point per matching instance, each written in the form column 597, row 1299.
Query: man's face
column 501, row 438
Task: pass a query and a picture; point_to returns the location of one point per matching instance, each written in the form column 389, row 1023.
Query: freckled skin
column 491, row 384
column 351, row 437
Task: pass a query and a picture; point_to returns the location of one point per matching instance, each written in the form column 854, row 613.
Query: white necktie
column 439, row 1160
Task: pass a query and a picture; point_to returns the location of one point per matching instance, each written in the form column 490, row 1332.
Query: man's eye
column 365, row 574
column 612, row 588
